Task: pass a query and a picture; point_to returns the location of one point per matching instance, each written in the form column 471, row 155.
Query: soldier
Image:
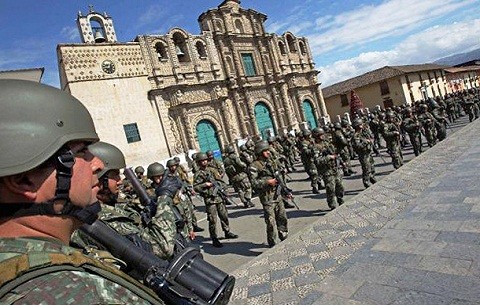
column 48, row 188
column 341, row 145
column 204, row 183
column 263, row 175
column 139, row 171
column 428, row 124
column 412, row 126
column 440, row 120
column 236, row 171
column 327, row 163
column 309, row 162
column 124, row 217
column 155, row 172
column 362, row 142
column 187, row 193
column 215, row 163
column 391, row 134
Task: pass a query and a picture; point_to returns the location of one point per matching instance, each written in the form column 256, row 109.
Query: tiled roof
column 376, row 76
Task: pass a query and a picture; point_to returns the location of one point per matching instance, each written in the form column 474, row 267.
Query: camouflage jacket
column 362, row 142
column 325, row 165
column 235, row 168
column 72, row 278
column 262, row 170
column 202, row 176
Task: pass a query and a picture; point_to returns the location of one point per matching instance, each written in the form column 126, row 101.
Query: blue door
column 309, row 115
column 207, row 138
column 264, row 120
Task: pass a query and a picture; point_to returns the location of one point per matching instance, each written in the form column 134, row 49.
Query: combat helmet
column 155, row 169
column 30, row 137
column 171, row 162
column 111, row 156
column 357, row 122
column 317, row 131
column 139, row 170
column 36, row 121
column 201, row 156
column 230, row 149
column 261, row 146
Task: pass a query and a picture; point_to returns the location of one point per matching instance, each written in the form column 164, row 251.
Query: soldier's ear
column 22, row 184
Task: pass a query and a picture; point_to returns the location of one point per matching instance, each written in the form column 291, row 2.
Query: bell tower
column 96, row 28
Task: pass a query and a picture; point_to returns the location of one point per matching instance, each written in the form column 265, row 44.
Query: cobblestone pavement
column 412, row 238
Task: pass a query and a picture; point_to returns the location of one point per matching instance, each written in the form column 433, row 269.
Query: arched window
column 202, row 53
column 161, row 51
column 291, row 44
column 281, row 46
column 218, row 25
column 303, row 49
column 181, row 47
column 239, row 26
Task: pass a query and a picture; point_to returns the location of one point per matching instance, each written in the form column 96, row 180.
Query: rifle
column 282, row 189
column 218, row 190
column 180, row 281
column 151, row 208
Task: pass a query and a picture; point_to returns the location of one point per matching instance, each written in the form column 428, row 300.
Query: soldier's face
column 156, row 179
column 266, row 153
column 114, row 181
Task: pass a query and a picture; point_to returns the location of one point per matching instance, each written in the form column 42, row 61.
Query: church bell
column 99, row 37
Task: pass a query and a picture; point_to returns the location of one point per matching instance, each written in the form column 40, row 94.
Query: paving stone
column 373, row 293
column 420, row 298
column 469, row 238
column 307, row 279
column 259, row 289
column 445, row 265
column 287, row 296
column 340, row 287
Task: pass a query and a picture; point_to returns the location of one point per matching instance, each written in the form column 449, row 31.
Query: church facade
column 162, row 95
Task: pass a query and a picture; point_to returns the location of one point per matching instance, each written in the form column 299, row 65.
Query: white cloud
column 71, row 33
column 426, row 46
column 370, row 23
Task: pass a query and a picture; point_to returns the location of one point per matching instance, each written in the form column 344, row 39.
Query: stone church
column 162, row 95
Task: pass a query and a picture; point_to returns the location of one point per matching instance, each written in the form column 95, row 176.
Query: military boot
column 216, row 243
column 230, row 235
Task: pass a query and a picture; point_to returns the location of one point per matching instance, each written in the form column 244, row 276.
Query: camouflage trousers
column 334, row 189
column 416, row 141
column 275, row 214
column 214, row 209
column 244, row 189
column 395, row 153
column 368, row 168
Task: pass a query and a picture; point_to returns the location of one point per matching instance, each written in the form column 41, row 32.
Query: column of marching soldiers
column 167, row 223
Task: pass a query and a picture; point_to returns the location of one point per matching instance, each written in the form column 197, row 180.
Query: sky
column 347, row 38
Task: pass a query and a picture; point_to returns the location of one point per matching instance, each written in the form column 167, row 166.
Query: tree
column 356, row 104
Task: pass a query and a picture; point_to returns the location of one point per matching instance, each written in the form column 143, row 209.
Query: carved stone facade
column 168, row 84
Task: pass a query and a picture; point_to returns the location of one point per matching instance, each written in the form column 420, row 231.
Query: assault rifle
column 151, row 208
column 282, row 189
column 220, row 191
column 186, row 280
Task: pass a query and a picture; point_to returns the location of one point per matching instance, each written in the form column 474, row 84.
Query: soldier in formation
column 264, row 173
column 236, row 171
column 362, row 143
column 207, row 182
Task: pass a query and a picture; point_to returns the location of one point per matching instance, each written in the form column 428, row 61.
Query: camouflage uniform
column 76, row 285
column 412, row 126
column 126, row 220
column 391, row 134
column 428, row 123
column 362, row 143
column 341, row 145
column 236, row 172
column 327, row 164
column 213, row 202
column 273, row 208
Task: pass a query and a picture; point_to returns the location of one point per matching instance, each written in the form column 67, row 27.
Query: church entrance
column 207, row 138
column 309, row 115
column 264, row 120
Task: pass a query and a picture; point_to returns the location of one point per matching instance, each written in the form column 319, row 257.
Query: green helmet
column 139, row 170
column 171, row 162
column 230, row 149
column 261, row 146
column 357, row 122
column 307, row 133
column 201, row 156
column 177, row 160
column 111, row 156
column 155, row 169
column 318, row 131
column 210, row 153
column 37, row 120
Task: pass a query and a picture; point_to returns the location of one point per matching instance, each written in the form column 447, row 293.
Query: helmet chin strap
column 64, row 167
